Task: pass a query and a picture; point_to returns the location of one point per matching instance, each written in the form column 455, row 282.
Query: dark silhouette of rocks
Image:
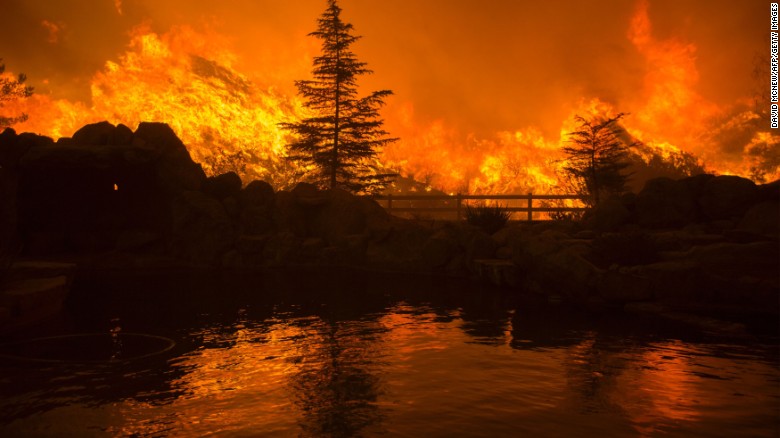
column 137, row 199
column 703, row 243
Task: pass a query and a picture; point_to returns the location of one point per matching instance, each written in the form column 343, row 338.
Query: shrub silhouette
column 489, row 219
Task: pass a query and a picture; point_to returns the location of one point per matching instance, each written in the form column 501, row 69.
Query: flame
column 675, row 118
column 674, row 123
column 188, row 79
column 184, row 78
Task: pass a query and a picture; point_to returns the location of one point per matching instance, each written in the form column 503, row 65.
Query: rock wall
column 109, row 190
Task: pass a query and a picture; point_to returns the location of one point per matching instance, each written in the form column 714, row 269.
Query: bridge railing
column 457, row 203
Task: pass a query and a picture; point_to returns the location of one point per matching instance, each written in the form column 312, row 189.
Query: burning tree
column 596, row 157
column 342, row 140
column 12, row 89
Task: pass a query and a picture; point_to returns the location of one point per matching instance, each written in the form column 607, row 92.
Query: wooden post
column 457, row 203
column 530, row 207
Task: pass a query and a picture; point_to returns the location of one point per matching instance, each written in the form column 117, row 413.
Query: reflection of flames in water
column 186, row 79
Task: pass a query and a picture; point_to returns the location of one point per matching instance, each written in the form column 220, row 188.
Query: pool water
column 315, row 355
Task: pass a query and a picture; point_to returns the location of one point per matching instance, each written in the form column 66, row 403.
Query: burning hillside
column 229, row 120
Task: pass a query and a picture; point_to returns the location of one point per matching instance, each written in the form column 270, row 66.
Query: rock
column 288, row 215
column 251, row 249
column 231, row 207
column 759, row 259
column 397, row 246
column 308, row 195
column 344, row 214
column 133, row 240
column 44, row 243
column 480, row 246
column 727, row 197
column 762, row 218
column 282, row 248
column 507, row 235
column 256, row 204
column 664, row 203
column 223, row 186
column 175, row 169
column 438, row 250
column 497, row 272
column 202, row 231
column 570, row 274
column 339, row 214
column 585, row 235
column 504, row 253
column 101, row 133
column 233, row 259
column 122, row 136
column 311, row 248
column 674, row 281
column 769, row 191
column 609, row 215
column 251, row 244
column 695, row 184
column 625, row 248
column 257, row 193
column 34, row 299
column 10, row 149
column 544, row 259
column 624, row 286
column 356, row 246
column 94, row 134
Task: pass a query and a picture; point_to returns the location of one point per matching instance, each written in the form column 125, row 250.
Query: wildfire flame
column 187, row 79
column 184, row 78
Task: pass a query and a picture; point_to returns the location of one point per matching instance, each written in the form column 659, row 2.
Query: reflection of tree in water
column 336, row 385
column 591, row 369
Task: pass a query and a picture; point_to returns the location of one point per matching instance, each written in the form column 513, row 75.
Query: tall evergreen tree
column 12, row 89
column 597, row 157
column 342, row 139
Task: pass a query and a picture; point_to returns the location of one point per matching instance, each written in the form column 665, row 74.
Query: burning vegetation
column 229, row 120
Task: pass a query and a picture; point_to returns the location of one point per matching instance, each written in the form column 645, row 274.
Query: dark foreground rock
column 704, row 243
column 137, row 199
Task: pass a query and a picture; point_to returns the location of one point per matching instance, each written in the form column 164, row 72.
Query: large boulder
column 256, row 204
column 622, row 285
column 175, row 169
column 202, row 231
column 769, row 191
column 558, row 267
column 103, row 133
column 727, row 197
column 665, row 203
column 762, row 218
column 11, row 149
column 397, row 246
column 438, row 250
column 282, row 248
column 223, row 186
column 257, row 193
column 609, row 215
column 289, row 215
column 343, row 214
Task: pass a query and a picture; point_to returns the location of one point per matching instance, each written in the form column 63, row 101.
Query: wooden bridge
column 458, row 203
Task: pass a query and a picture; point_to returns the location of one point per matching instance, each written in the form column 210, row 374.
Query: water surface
column 367, row 357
